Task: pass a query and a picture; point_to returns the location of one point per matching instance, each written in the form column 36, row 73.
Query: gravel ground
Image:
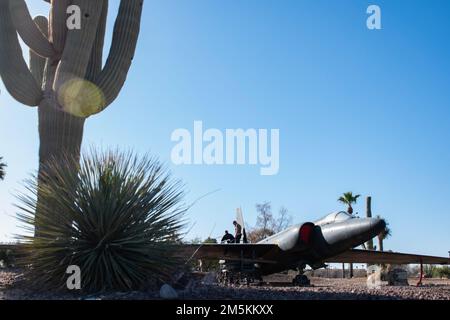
column 12, row 287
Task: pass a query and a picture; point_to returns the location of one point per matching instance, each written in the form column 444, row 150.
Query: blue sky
column 360, row 110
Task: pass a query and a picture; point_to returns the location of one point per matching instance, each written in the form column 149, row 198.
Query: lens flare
column 81, row 98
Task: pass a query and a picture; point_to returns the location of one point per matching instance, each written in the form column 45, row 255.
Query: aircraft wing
column 377, row 257
column 248, row 252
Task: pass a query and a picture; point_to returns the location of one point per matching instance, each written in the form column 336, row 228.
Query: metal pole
column 421, row 274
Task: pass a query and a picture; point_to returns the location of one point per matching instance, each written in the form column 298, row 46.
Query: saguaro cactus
column 65, row 78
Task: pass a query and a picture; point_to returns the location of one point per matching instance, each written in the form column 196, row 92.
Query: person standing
column 237, row 232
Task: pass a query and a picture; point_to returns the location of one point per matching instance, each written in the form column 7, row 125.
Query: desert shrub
column 115, row 215
column 205, row 265
column 429, row 271
column 209, row 265
column 443, row 272
column 6, row 257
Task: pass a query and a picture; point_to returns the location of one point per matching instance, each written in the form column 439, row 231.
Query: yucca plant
column 117, row 217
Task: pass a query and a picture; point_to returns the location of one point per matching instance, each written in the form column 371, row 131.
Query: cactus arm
column 42, row 24
column 96, row 59
column 15, row 74
column 28, row 30
column 37, row 63
column 125, row 36
column 78, row 45
column 58, row 20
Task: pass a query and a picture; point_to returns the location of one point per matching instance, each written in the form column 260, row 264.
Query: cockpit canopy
column 334, row 217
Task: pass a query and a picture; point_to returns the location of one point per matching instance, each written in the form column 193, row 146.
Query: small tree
column 256, row 235
column 210, row 240
column 266, row 224
column 196, row 240
column 283, row 221
column 2, row 169
column 348, row 199
column 265, row 219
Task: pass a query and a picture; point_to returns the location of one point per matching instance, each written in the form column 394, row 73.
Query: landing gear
column 301, row 281
column 229, row 278
column 238, row 273
column 419, row 284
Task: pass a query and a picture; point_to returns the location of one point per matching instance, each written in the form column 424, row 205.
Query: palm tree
column 386, row 233
column 2, row 169
column 348, row 198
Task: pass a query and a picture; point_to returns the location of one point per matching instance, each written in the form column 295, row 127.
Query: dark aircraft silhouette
column 328, row 240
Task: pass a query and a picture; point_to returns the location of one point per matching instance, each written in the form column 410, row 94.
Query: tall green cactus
column 65, row 78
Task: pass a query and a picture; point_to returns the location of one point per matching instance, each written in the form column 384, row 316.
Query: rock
column 397, row 277
column 374, row 280
column 209, row 278
column 91, row 297
column 167, row 292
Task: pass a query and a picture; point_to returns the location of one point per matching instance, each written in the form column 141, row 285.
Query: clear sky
column 358, row 110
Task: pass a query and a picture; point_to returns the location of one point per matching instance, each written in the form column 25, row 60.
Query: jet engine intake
column 305, row 233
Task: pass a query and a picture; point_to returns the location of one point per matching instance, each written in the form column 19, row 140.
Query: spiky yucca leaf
column 117, row 217
column 2, row 169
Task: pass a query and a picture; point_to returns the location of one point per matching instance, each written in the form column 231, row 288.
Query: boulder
column 167, row 292
column 209, row 279
column 374, row 279
column 397, row 277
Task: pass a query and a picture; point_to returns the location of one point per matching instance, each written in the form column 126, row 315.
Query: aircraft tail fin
column 240, row 220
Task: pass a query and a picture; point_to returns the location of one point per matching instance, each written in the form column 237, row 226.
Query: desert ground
column 202, row 286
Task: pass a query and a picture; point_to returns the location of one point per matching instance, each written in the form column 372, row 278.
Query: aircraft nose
column 353, row 232
column 377, row 225
column 370, row 227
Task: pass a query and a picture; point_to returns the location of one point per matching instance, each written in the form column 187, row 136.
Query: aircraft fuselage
column 312, row 243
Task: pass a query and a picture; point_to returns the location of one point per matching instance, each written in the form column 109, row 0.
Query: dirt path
column 11, row 287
